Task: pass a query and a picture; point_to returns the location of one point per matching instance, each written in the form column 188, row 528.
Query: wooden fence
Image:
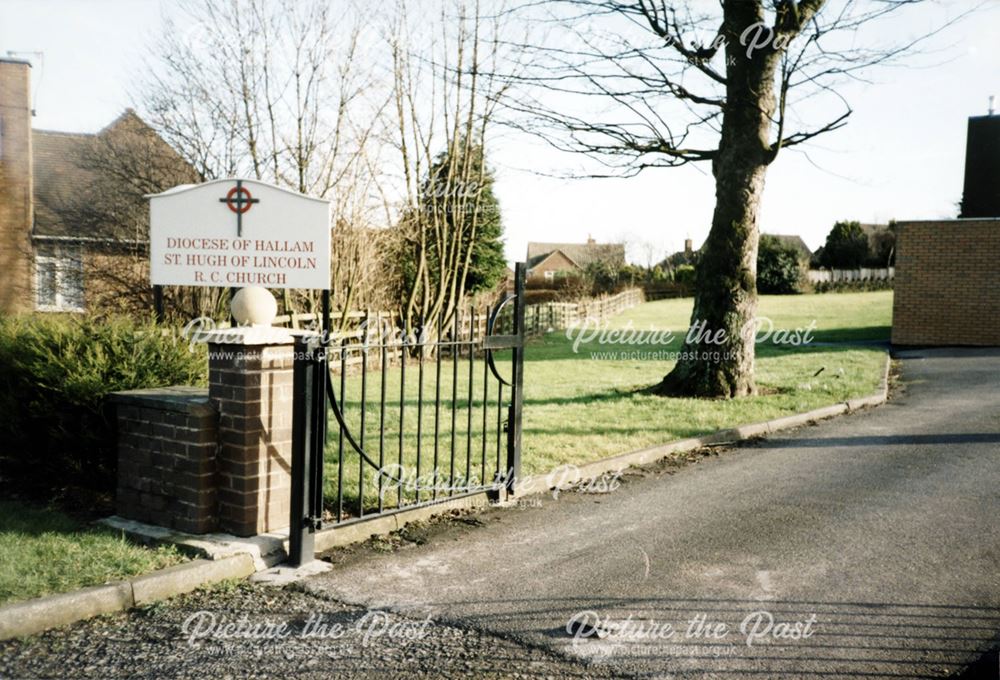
column 383, row 326
column 538, row 318
column 551, row 316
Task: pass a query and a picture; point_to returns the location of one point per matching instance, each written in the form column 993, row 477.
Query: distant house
column 689, row 256
column 73, row 220
column 547, row 260
column 795, row 241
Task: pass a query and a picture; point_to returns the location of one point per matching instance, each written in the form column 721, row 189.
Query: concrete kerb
column 270, row 550
column 34, row 616
column 184, row 578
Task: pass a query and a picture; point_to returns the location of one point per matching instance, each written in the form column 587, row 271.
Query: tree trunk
column 718, row 355
column 717, row 359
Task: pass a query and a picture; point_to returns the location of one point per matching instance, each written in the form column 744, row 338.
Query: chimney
column 16, row 186
column 981, row 194
column 688, row 246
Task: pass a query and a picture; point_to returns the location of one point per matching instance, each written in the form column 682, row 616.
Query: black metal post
column 318, row 451
column 232, row 294
column 517, row 384
column 326, row 330
column 308, row 438
column 158, row 304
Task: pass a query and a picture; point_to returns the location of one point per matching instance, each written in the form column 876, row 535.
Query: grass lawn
column 46, row 552
column 587, row 402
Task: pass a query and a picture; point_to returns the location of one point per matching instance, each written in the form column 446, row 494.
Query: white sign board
column 239, row 232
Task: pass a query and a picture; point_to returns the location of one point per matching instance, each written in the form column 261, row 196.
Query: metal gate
column 438, row 419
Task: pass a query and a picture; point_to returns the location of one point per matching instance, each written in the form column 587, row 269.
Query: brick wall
column 15, row 186
column 167, row 441
column 200, row 460
column 947, row 288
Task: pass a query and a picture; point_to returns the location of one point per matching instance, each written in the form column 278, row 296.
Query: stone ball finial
column 254, row 306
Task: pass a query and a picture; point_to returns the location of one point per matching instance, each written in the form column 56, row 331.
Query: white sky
column 901, row 155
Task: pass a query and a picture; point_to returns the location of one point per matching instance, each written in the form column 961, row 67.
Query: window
column 550, row 275
column 59, row 279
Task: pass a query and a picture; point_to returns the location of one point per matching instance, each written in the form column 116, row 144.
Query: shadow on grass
column 612, row 395
column 45, row 552
column 21, row 519
column 859, row 334
column 556, row 347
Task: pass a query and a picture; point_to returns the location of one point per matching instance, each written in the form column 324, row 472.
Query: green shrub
column 55, row 375
column 684, row 274
column 779, row 271
column 852, row 286
column 846, row 246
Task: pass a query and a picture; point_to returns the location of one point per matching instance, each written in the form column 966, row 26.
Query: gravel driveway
column 156, row 642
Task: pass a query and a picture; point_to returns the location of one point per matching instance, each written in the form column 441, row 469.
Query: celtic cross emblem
column 239, row 201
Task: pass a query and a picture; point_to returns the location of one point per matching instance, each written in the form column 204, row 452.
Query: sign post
column 246, row 234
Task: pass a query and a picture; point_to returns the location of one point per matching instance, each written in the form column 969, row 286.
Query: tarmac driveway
column 865, row 546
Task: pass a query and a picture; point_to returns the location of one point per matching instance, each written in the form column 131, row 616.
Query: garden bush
column 846, row 246
column 852, row 286
column 55, row 376
column 779, row 271
column 684, row 274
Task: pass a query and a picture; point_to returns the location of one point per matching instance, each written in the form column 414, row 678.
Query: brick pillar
column 16, row 186
column 250, row 383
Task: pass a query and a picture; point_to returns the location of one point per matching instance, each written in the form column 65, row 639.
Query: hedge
column 55, row 374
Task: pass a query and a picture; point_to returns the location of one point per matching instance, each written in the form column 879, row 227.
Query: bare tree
column 658, row 83
column 443, row 105
column 119, row 166
column 273, row 90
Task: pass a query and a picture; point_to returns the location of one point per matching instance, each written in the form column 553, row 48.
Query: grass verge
column 586, row 398
column 47, row 552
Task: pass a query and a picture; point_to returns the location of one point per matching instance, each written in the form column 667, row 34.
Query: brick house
column 73, row 220
column 547, row 260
